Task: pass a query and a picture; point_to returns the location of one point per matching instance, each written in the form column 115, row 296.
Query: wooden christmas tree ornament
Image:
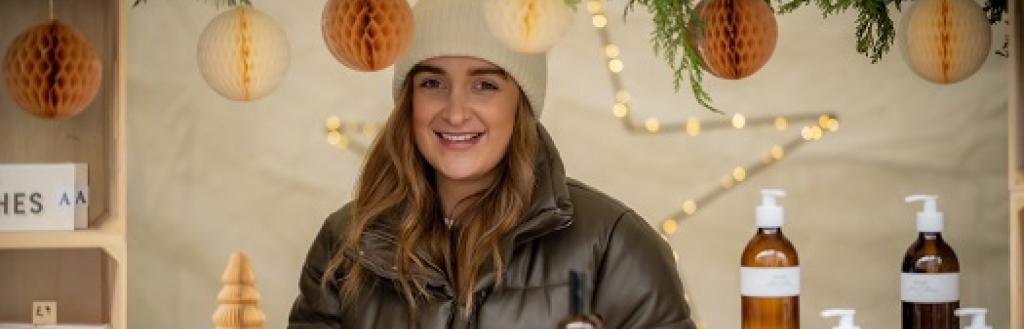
column 367, row 35
column 239, row 300
column 52, row 71
column 737, row 39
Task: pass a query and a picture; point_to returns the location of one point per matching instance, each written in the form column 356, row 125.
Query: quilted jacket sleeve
column 637, row 284
column 316, row 307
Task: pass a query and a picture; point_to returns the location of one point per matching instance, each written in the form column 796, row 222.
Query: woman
column 463, row 216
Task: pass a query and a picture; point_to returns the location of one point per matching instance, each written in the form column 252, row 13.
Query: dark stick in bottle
column 579, row 305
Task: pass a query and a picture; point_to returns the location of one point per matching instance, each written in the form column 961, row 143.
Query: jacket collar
column 549, row 210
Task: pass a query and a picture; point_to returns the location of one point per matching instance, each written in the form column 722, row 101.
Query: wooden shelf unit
column 95, row 136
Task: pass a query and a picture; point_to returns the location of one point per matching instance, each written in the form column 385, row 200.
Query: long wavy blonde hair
column 397, row 182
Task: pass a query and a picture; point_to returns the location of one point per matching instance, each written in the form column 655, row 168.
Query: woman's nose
column 457, row 110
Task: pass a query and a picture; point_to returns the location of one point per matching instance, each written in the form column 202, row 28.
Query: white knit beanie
column 458, row 28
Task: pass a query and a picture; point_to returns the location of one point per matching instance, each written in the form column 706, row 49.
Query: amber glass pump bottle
column 930, row 278
column 770, row 272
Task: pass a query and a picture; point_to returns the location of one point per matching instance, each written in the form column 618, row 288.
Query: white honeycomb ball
column 243, row 54
column 529, row 26
column 945, row 41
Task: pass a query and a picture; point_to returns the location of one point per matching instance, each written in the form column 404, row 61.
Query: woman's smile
column 458, row 140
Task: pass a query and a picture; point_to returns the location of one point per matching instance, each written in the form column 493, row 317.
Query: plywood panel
column 76, row 278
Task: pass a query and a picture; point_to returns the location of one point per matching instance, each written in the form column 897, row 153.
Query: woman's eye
column 486, row 85
column 430, row 83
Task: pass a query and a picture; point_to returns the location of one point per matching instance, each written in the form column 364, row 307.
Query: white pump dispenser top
column 977, row 317
column 845, row 317
column 769, row 214
column 929, row 219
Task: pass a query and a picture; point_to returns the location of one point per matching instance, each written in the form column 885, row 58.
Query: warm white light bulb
column 652, row 125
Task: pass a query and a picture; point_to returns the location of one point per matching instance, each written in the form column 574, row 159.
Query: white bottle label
column 930, row 287
column 770, row 281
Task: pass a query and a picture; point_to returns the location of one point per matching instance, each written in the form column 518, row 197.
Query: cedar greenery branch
column 670, row 37
column 875, row 31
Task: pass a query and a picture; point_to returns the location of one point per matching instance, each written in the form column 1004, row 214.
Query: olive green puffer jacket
column 569, row 226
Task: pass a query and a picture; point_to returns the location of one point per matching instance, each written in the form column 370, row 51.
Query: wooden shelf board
column 108, row 236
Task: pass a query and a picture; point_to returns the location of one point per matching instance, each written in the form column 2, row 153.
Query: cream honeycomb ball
column 243, row 54
column 945, row 41
column 529, row 26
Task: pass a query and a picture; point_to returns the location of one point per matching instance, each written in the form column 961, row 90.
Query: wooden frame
column 1016, row 167
column 95, row 136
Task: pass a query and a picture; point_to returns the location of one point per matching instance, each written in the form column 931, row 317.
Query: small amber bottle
column 579, row 305
column 930, row 278
column 770, row 272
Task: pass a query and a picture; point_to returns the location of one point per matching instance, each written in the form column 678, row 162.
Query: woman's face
column 463, row 109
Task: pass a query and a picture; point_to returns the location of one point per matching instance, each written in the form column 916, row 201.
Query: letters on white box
column 37, row 197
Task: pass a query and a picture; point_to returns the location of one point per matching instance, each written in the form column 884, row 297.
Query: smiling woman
column 464, row 111
column 463, row 215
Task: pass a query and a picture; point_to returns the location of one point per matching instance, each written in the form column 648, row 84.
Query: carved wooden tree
column 239, row 300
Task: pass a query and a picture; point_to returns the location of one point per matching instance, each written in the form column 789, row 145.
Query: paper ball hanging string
column 530, row 26
column 367, row 35
column 243, row 54
column 737, row 39
column 945, row 41
column 52, row 71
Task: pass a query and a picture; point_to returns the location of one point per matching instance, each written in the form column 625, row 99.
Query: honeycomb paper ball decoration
column 243, row 54
column 738, row 36
column 52, row 71
column 945, row 41
column 529, row 26
column 367, row 35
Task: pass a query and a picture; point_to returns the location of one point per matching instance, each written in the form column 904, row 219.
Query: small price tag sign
column 44, row 312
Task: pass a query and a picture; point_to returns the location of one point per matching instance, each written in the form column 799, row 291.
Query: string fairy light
column 341, row 134
column 820, row 124
column 741, row 174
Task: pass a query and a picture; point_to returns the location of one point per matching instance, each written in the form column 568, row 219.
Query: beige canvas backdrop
column 208, row 176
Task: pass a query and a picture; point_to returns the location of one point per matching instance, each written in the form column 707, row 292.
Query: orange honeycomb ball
column 367, row 35
column 738, row 36
column 52, row 71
